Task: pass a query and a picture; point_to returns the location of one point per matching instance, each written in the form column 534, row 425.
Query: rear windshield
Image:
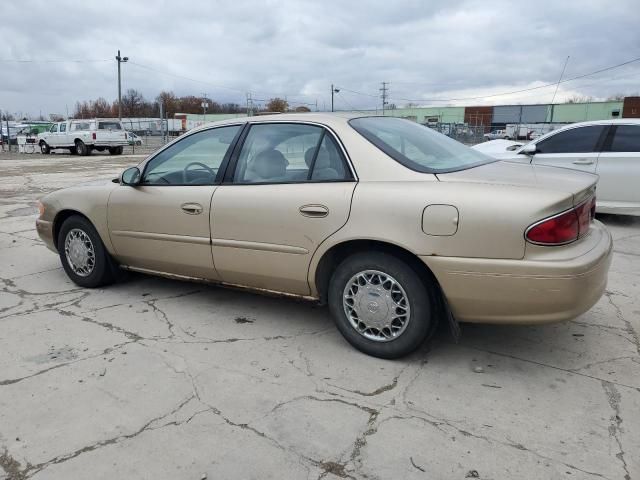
column 417, row 147
column 109, row 126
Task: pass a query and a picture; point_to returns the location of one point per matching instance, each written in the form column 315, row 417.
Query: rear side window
column 109, row 126
column 81, row 126
column 63, row 127
column 575, row 140
column 289, row 153
column 417, row 147
column 626, row 139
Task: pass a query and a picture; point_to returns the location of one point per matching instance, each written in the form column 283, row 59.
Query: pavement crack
column 31, row 470
column 614, row 397
column 628, row 327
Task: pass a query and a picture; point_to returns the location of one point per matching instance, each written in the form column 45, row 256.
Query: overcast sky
column 430, row 51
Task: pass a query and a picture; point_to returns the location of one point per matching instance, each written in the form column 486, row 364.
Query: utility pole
column 204, row 106
column 384, row 94
column 120, row 60
column 249, row 105
column 333, row 90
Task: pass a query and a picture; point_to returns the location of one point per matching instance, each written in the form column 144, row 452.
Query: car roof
column 328, row 119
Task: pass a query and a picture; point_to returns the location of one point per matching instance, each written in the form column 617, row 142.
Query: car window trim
column 315, row 156
column 233, row 163
column 225, row 159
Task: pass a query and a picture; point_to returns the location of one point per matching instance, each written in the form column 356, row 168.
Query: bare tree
column 277, row 105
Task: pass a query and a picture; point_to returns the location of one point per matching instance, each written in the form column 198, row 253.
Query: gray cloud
column 427, row 50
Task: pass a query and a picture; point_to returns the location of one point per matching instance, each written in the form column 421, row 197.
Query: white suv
column 82, row 136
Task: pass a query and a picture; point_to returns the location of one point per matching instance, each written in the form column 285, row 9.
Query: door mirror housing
column 529, row 149
column 131, row 176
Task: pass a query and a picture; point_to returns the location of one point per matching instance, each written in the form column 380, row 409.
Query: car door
column 63, row 135
column 619, row 168
column 577, row 148
column 288, row 188
column 52, row 135
column 163, row 224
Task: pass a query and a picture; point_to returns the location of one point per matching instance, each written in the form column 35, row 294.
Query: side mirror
column 131, row 176
column 528, row 149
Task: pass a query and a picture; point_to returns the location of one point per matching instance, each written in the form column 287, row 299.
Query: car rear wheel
column 116, row 150
column 83, row 256
column 381, row 305
column 81, row 148
column 44, row 148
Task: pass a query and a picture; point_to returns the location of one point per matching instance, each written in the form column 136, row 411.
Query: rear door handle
column 191, row 208
column 314, row 211
column 583, row 161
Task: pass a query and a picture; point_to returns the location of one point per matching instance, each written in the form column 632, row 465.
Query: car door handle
column 583, row 161
column 314, row 211
column 191, row 208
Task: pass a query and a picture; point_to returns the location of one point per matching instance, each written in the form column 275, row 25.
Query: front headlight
column 40, row 209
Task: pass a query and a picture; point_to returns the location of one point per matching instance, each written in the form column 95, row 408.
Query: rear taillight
column 93, row 135
column 565, row 227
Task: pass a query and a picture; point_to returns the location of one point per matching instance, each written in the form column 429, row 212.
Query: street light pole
column 120, row 60
column 333, row 90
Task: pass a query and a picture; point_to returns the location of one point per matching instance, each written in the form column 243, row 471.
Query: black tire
column 104, row 269
column 81, row 148
column 44, row 148
column 116, row 150
column 421, row 300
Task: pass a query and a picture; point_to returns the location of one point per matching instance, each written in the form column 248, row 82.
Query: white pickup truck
column 83, row 136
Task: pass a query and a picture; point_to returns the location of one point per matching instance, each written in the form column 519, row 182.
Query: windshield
column 416, row 146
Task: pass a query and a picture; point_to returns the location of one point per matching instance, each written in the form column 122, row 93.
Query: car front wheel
column 83, row 256
column 44, row 148
column 381, row 305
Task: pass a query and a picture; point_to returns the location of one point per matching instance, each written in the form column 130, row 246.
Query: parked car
column 609, row 148
column 82, row 136
column 395, row 226
column 495, row 134
column 134, row 139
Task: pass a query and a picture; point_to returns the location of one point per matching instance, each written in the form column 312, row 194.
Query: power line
column 203, row 82
column 522, row 90
column 51, row 61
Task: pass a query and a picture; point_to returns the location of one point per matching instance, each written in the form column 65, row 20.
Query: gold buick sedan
column 394, row 226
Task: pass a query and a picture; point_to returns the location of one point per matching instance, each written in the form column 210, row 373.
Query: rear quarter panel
column 492, row 218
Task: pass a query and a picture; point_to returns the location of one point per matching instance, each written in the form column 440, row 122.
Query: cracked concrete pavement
column 154, row 379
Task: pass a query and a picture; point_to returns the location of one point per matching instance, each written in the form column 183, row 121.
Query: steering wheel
column 185, row 171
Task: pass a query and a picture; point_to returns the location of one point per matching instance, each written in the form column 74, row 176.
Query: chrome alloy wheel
column 80, row 253
column 376, row 305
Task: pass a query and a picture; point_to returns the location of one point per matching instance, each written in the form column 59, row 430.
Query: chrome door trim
column 165, row 237
column 268, row 247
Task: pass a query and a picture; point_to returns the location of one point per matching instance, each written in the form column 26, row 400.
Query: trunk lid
column 573, row 182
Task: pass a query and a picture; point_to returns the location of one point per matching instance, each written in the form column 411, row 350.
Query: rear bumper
column 45, row 232
column 550, row 284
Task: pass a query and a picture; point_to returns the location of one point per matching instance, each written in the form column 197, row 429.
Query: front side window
column 417, row 147
column 194, row 160
column 575, row 140
column 109, row 126
column 626, row 139
column 54, row 128
column 289, row 153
